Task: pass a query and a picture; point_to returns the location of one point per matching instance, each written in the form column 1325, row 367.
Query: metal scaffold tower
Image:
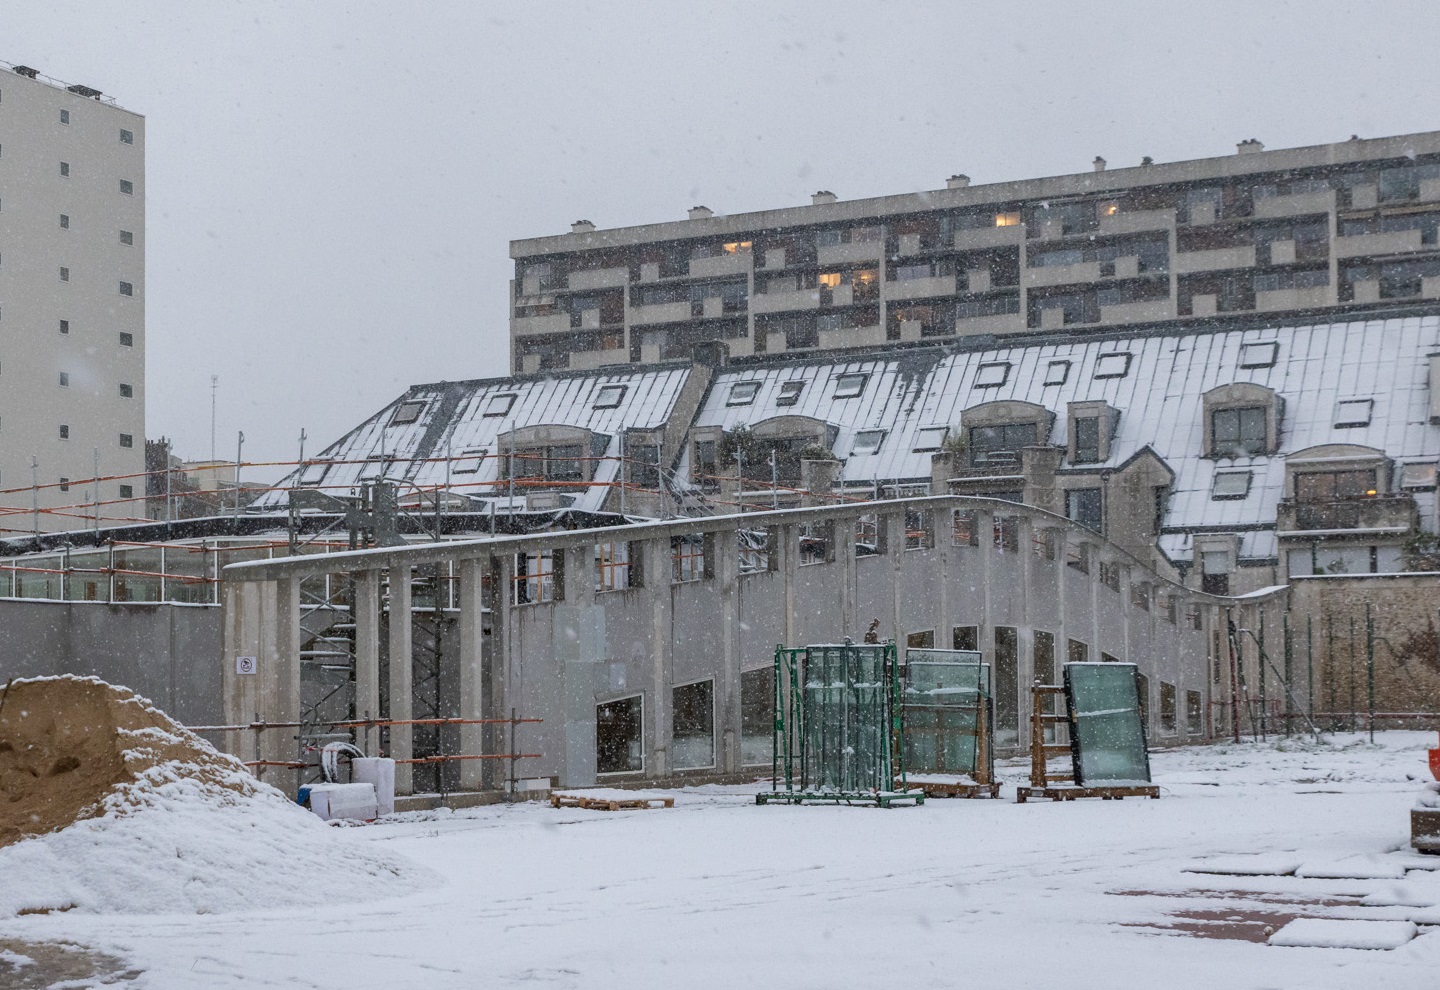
column 837, row 726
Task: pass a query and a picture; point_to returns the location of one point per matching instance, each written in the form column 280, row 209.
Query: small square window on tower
column 127, row 237
column 127, row 187
column 126, row 137
column 64, row 221
column 65, row 170
column 64, row 116
column 127, row 391
column 127, row 339
column 127, row 440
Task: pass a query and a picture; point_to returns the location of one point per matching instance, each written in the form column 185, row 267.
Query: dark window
column 1086, row 507
column 64, row 432
column 407, row 412
column 1087, row 440
column 1045, row 657
column 920, row 640
column 1194, row 713
column 705, row 469
column 1000, row 444
column 65, row 169
column 126, row 339
column 1077, row 652
column 692, row 735
column 64, row 326
column 127, row 440
column 126, row 137
column 618, row 746
column 127, row 187
column 64, row 221
column 644, row 465
column 1215, row 584
column 64, row 484
column 64, row 116
column 1167, row 707
column 127, row 237
column 127, row 491
column 1238, row 432
column 965, row 638
column 127, row 289
column 757, row 716
column 1007, row 686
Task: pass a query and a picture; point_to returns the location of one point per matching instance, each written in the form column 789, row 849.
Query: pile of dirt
column 67, row 742
column 108, row 805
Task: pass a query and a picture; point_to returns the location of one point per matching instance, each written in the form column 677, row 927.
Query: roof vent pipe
column 1099, row 164
column 1248, row 146
column 822, row 198
column 957, row 182
column 581, row 227
column 701, row 212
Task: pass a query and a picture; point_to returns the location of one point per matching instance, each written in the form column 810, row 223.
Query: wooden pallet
column 609, row 804
column 1070, row 792
column 936, row 789
column 1062, row 787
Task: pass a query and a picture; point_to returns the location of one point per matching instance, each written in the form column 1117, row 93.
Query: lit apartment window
column 64, row 432
column 126, row 137
column 126, row 237
column 64, row 274
column 64, row 326
column 64, row 116
column 65, row 169
column 127, row 440
column 735, row 247
column 126, row 186
column 127, row 391
column 64, row 222
column 64, row 379
column 126, row 289
column 127, row 491
column 127, row 339
column 1007, row 219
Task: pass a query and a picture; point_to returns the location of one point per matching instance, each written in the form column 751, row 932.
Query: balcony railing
column 1392, row 513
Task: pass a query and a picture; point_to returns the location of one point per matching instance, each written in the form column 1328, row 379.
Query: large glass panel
column 1109, row 736
column 692, row 734
column 846, row 719
column 945, row 693
column 757, row 716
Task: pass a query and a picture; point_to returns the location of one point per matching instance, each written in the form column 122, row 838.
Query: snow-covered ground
column 717, row 892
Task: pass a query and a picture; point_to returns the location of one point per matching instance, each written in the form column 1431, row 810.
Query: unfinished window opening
column 1077, row 652
column 612, row 566
column 964, row 530
column 920, row 640
column 965, row 638
column 1007, row 686
column 687, row 558
column 609, row 396
column 814, row 543
column 1007, row 534
column 1172, row 609
column 1110, row 575
column 1353, row 412
column 918, row 529
column 867, row 535
column 1044, row 543
column 742, row 393
column 929, row 438
column 692, row 734
column 1168, row 722
column 535, row 579
column 499, row 405
column 754, row 546
column 789, row 393
column 406, row 413
column 757, row 716
column 618, row 741
column 1077, row 555
column 1194, row 713
column 1140, row 595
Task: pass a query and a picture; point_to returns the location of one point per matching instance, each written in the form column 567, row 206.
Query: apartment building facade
column 72, row 305
column 1340, row 229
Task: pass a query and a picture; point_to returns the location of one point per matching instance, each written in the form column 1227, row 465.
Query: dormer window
column 1238, row 432
column 1087, row 440
column 789, row 393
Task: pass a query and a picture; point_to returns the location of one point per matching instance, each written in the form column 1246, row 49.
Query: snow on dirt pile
column 108, row 805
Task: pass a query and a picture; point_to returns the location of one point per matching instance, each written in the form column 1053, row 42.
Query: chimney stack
column 701, row 212
column 1248, row 146
column 822, row 198
column 957, row 182
column 581, row 227
column 1099, row 164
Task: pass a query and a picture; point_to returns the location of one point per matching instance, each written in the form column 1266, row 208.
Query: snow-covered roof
column 1157, row 382
column 460, row 422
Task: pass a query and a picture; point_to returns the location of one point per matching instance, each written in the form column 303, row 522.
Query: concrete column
column 496, row 649
column 842, row 538
column 471, row 680
column 727, row 706
column 402, row 670
column 658, row 573
column 893, row 523
column 262, row 622
column 789, row 556
column 367, row 654
column 580, row 650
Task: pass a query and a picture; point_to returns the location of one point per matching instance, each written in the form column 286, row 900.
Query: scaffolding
column 837, row 727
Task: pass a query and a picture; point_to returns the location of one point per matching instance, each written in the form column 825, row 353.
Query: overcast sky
column 332, row 186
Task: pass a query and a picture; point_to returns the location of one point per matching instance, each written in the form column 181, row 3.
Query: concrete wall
column 168, row 653
column 557, row 660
